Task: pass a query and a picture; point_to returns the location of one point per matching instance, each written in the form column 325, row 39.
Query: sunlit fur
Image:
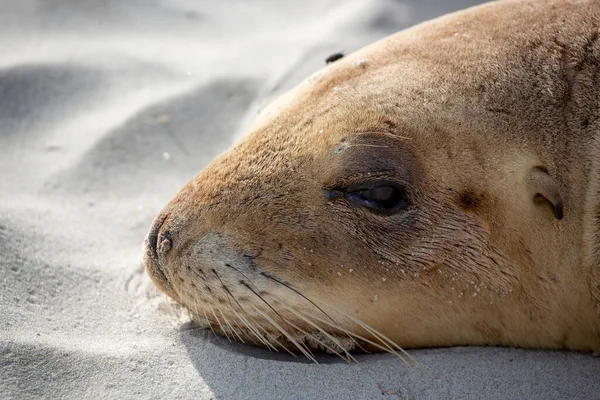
column 488, row 117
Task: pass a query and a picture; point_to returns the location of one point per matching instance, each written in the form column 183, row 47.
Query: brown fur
column 488, row 117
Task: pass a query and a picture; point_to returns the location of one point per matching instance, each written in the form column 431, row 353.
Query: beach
column 106, row 110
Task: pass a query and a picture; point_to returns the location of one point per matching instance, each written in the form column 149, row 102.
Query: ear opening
column 543, row 189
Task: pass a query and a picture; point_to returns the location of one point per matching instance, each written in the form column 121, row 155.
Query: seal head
column 433, row 189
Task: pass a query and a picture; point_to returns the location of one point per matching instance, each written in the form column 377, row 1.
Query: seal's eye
column 384, row 198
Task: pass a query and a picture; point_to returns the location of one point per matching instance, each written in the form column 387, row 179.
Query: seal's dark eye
column 383, row 198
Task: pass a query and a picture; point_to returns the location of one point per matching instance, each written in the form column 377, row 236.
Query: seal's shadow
column 194, row 337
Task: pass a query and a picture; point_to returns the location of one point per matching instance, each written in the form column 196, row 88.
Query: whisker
column 275, row 311
column 390, row 135
column 298, row 293
column 348, row 355
column 303, row 349
column 226, row 288
column 367, row 145
column 384, row 341
column 333, row 339
column 230, row 327
column 240, row 328
column 274, row 339
column 382, row 336
column 364, row 339
column 278, row 343
column 209, row 324
column 219, row 322
column 247, row 285
column 254, row 332
column 260, row 297
column 311, row 302
column 238, row 271
column 270, row 347
column 325, row 345
column 230, row 305
column 195, row 312
column 276, row 280
column 264, row 301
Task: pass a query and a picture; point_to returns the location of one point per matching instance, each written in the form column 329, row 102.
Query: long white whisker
column 382, row 336
column 304, row 350
column 219, row 322
column 254, row 332
column 317, row 340
column 230, row 327
column 334, row 340
column 356, row 335
column 240, row 328
column 230, row 296
column 209, row 324
column 276, row 341
column 390, row 135
column 297, row 292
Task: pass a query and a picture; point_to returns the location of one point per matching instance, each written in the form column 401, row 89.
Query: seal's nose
column 159, row 240
column 157, row 245
column 152, row 239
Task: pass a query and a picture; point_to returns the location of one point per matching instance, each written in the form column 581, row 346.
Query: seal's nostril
column 153, row 237
column 164, row 243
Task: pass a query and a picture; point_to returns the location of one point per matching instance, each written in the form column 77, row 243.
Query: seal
column 440, row 187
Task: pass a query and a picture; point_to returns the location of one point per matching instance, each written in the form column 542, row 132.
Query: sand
column 106, row 109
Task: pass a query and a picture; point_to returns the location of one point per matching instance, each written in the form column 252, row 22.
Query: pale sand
column 106, row 109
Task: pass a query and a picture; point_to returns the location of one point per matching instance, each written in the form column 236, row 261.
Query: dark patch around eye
column 377, row 171
column 374, row 153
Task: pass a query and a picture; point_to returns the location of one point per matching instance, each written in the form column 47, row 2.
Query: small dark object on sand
column 334, row 57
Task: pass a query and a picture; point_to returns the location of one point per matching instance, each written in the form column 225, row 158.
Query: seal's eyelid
column 542, row 187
